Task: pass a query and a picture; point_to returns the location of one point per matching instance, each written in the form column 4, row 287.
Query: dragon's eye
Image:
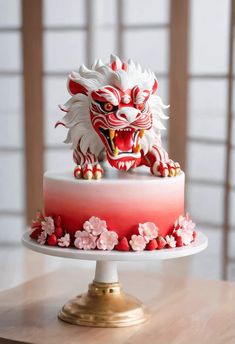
column 108, row 107
column 140, row 107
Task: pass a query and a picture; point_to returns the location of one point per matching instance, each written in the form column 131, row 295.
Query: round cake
column 125, row 192
column 122, row 199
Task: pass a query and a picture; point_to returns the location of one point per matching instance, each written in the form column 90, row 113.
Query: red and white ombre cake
column 114, row 114
column 123, row 200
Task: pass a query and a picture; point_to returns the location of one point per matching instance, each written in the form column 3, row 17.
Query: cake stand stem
column 105, row 304
column 106, row 272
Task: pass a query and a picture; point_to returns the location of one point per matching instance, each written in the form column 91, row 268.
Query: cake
column 125, row 192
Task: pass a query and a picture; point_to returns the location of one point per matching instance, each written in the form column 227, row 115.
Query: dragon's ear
column 75, row 87
column 155, row 86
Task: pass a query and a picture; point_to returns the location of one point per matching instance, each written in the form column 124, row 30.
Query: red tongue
column 123, row 140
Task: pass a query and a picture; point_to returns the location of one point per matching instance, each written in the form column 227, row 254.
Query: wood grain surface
column 183, row 310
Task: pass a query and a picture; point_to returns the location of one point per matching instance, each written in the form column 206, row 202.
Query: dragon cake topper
column 114, row 109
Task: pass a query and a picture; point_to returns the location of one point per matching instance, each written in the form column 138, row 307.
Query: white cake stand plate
column 106, row 304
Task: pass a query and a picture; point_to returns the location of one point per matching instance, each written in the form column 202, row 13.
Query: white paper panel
column 149, row 48
column 205, row 203
column 206, row 162
column 106, row 12
column 209, row 36
column 163, row 93
column 64, row 51
column 146, row 12
column 105, row 44
column 59, row 159
column 55, row 93
column 12, row 181
column 207, row 109
column 11, row 117
column 64, row 13
column 10, row 57
column 10, row 13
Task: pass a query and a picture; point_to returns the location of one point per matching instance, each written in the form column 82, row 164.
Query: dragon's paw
column 166, row 169
column 88, row 171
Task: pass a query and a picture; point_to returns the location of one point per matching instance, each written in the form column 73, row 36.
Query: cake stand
column 106, row 304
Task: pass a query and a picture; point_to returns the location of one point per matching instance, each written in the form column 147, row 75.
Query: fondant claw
column 97, row 171
column 87, row 172
column 177, row 168
column 169, row 169
column 77, row 172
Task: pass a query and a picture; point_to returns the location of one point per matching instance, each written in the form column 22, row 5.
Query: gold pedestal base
column 105, row 305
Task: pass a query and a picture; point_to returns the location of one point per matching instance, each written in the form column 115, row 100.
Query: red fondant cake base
column 122, row 199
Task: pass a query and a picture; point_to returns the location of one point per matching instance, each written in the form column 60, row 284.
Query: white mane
column 77, row 118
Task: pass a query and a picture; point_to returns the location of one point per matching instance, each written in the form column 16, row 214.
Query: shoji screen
column 12, row 189
column 208, row 108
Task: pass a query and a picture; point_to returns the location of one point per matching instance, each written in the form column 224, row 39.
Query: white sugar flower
column 170, row 240
column 95, row 226
column 48, row 225
column 107, row 240
column 64, row 241
column 137, row 242
column 148, row 230
column 42, row 238
column 84, row 240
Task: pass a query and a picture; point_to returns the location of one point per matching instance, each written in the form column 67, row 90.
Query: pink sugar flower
column 107, row 240
column 186, row 222
column 137, row 242
column 42, row 238
column 170, row 240
column 48, row 225
column 148, row 230
column 185, row 228
column 64, row 241
column 85, row 240
column 185, row 234
column 95, row 226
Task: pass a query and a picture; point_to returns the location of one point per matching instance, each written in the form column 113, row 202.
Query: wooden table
column 183, row 311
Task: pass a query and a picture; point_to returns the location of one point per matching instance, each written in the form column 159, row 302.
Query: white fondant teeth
column 128, row 164
column 125, row 129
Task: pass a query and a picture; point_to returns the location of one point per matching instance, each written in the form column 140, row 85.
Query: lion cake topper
column 114, row 109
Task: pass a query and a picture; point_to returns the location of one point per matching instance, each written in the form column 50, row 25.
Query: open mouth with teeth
column 123, row 141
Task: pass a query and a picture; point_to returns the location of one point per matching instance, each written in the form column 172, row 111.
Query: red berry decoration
column 123, row 245
column 52, row 240
column 35, row 234
column 59, row 232
column 58, row 221
column 179, row 241
column 152, row 245
column 161, row 242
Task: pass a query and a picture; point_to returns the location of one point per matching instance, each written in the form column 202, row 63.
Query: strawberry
column 35, row 234
column 123, row 245
column 52, row 240
column 59, row 232
column 152, row 245
column 161, row 242
column 179, row 241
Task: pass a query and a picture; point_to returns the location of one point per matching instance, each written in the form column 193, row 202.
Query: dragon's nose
column 128, row 113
